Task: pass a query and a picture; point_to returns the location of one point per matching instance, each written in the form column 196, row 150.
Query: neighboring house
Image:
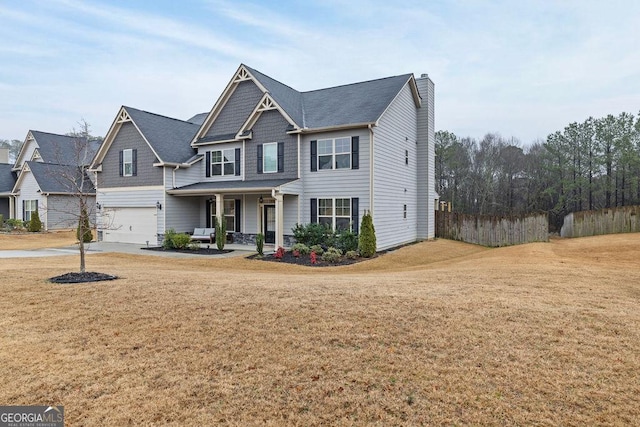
column 51, row 176
column 7, row 181
column 267, row 157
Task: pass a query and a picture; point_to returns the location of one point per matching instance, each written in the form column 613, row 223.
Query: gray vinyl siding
column 202, row 165
column 395, row 183
column 426, row 154
column 250, row 214
column 271, row 127
column 335, row 183
column 195, row 173
column 290, row 213
column 237, row 109
column 183, row 213
column 128, row 137
column 29, row 190
column 63, row 212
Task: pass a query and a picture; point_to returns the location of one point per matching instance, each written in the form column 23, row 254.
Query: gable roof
column 7, row 178
column 167, row 137
column 352, row 104
column 198, row 118
column 59, row 179
column 60, row 149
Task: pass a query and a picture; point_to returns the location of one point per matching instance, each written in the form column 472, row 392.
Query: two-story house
column 267, row 157
column 51, row 177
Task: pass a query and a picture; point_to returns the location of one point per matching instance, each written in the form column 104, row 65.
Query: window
column 406, row 157
column 127, row 162
column 270, row 157
column 229, row 213
column 404, row 210
column 336, row 213
column 334, row 153
column 223, row 162
column 30, row 206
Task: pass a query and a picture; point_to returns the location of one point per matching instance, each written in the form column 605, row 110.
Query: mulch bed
column 201, row 251
column 305, row 260
column 88, row 276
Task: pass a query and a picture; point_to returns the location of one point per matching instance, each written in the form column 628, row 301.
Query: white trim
column 266, row 103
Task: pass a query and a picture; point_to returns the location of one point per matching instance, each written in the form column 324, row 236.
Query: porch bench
column 204, row 234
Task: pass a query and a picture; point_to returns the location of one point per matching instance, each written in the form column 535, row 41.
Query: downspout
column 371, row 174
column 173, row 178
column 300, row 196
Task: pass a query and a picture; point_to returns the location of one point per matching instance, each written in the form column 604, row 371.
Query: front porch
column 248, row 208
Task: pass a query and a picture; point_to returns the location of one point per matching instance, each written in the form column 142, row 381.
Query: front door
column 269, row 224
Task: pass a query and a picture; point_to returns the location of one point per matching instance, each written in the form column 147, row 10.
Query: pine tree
column 367, row 239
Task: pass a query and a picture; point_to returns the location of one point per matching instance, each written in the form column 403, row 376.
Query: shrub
column 169, row 235
column 15, row 223
column 347, row 241
column 83, row 232
column 260, row 244
column 319, row 250
column 351, row 255
column 35, row 224
column 367, row 239
column 313, row 257
column 301, row 248
column 181, row 241
column 221, row 233
column 313, row 234
column 1, row 221
column 332, row 255
column 279, row 253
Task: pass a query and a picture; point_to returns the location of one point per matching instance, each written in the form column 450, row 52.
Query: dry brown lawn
column 438, row 333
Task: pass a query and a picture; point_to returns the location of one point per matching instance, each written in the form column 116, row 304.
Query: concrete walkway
column 127, row 248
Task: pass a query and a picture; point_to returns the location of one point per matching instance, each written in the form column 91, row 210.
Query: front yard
column 438, row 333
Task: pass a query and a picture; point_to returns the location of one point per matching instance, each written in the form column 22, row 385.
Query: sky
column 521, row 68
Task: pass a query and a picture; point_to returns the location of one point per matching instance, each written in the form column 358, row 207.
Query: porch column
column 12, row 207
column 219, row 208
column 279, row 219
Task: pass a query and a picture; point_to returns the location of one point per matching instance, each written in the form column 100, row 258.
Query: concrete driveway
column 129, row 248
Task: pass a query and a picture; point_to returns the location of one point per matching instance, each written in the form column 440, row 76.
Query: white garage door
column 132, row 225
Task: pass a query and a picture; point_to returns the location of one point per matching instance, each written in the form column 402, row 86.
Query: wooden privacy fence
column 493, row 231
column 625, row 219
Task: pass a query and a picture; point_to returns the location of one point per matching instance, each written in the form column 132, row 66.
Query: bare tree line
column 590, row 165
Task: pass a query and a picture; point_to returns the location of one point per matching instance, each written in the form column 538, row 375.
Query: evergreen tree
column 35, row 224
column 367, row 239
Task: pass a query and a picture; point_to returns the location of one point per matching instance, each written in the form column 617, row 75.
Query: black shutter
column 355, row 152
column 280, row 156
column 134, row 162
column 207, row 165
column 238, row 204
column 314, row 156
column 314, row 211
column 121, row 163
column 237, row 162
column 259, row 158
column 24, row 208
column 355, row 218
column 207, row 209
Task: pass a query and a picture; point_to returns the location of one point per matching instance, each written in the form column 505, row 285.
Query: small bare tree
column 70, row 180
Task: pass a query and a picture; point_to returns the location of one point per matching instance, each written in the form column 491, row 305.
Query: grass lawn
column 438, row 333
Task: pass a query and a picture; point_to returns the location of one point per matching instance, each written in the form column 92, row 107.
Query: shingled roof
column 7, row 178
column 168, row 137
column 63, row 149
column 54, row 178
column 356, row 103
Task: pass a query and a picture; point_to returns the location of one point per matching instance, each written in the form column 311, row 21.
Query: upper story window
column 223, row 162
column 270, row 157
column 335, row 153
column 128, row 162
